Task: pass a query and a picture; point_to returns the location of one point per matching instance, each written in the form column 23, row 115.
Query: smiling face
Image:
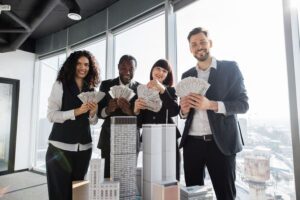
column 159, row 73
column 82, row 67
column 126, row 71
column 200, row 46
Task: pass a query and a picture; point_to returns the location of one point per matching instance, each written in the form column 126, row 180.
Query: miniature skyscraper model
column 165, row 190
column 123, row 155
column 159, row 156
column 96, row 177
column 196, row 192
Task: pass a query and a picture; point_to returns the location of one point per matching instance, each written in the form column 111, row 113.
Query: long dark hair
column 164, row 64
column 67, row 72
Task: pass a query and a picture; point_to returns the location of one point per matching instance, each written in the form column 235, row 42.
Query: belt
column 205, row 138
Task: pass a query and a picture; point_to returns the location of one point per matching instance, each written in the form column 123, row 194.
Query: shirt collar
column 213, row 64
column 127, row 85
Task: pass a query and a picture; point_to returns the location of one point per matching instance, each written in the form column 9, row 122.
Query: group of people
column 211, row 136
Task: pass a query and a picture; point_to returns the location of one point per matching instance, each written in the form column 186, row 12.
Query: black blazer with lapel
column 226, row 85
column 169, row 104
column 104, row 140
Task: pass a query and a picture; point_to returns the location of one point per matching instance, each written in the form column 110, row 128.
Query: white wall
column 20, row 65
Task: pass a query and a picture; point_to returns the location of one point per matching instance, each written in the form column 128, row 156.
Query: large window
column 98, row 49
column 146, row 42
column 48, row 73
column 253, row 36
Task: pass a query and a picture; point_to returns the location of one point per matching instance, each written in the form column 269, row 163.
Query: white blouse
column 54, row 114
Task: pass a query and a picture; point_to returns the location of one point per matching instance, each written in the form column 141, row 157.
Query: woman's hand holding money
column 156, row 85
column 139, row 105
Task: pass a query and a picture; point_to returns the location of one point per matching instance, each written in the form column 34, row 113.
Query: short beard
column 203, row 58
column 125, row 82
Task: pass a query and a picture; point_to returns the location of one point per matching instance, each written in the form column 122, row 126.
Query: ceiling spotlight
column 4, row 7
column 74, row 11
column 74, row 15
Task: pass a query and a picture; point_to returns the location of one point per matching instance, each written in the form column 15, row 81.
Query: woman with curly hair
column 70, row 142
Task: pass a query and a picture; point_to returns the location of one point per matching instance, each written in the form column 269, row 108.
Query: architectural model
column 159, row 156
column 123, row 155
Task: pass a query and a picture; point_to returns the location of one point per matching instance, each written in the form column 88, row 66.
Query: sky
column 249, row 32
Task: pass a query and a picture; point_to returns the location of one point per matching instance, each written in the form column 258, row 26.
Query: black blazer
column 105, row 86
column 169, row 103
column 226, row 85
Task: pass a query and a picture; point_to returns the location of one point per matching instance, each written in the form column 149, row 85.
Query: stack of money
column 91, row 96
column 191, row 85
column 151, row 97
column 118, row 91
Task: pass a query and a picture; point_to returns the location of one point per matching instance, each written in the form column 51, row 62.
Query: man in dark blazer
column 108, row 107
column 211, row 135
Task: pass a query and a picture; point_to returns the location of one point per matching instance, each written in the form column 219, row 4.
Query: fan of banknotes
column 118, row 91
column 191, row 85
column 151, row 97
column 92, row 96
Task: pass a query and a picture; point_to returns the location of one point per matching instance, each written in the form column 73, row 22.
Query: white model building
column 96, row 178
column 159, row 155
column 123, row 155
column 166, row 190
column 109, row 190
column 196, row 193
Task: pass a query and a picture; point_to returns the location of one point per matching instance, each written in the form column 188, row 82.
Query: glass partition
column 9, row 92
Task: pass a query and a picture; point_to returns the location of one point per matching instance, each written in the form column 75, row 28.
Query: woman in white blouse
column 70, row 142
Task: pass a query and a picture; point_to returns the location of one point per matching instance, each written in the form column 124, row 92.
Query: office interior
column 262, row 36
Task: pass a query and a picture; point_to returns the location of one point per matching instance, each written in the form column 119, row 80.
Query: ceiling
column 29, row 20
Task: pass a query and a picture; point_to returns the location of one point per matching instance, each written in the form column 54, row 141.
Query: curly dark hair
column 67, row 72
column 166, row 65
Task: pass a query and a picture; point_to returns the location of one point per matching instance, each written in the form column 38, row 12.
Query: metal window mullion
column 293, row 60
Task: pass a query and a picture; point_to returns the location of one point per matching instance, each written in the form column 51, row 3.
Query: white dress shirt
column 200, row 124
column 54, row 114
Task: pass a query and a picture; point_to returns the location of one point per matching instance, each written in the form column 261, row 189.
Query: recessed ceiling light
column 74, row 16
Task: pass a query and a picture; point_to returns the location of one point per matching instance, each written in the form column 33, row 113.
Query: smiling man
column 109, row 107
column 211, row 136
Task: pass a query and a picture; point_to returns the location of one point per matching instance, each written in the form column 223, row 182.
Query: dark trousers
column 63, row 167
column 105, row 153
column 197, row 154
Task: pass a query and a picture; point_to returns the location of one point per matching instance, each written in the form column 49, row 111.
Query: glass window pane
column 5, row 123
column 247, row 33
column 48, row 73
column 146, row 42
column 98, row 49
